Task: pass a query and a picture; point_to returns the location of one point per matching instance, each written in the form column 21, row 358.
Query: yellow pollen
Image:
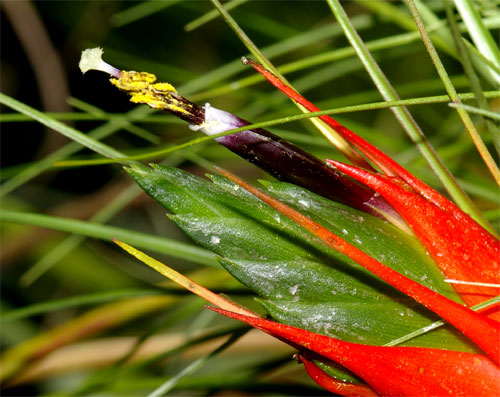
column 141, row 97
column 142, row 88
column 164, row 87
column 178, row 109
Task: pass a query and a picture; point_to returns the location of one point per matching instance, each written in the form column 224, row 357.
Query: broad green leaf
column 300, row 281
column 354, row 321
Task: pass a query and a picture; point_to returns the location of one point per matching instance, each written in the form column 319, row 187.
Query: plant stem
column 441, row 38
column 213, row 14
column 76, row 301
column 127, row 125
column 340, row 143
column 195, row 365
column 44, row 164
column 438, row 324
column 268, row 123
column 63, row 129
column 472, row 109
column 469, row 125
column 105, row 232
column 19, row 117
column 480, row 35
column 141, row 10
column 471, row 75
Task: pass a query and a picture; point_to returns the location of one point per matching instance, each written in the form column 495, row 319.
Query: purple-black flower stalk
column 280, row 158
column 288, row 162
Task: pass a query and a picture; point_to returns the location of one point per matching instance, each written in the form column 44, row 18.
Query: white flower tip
column 245, row 60
column 217, row 121
column 92, row 60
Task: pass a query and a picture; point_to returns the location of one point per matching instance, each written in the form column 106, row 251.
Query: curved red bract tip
column 332, row 384
column 461, row 247
column 383, row 161
column 394, row 370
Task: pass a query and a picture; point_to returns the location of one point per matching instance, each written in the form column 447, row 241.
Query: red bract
column 395, row 370
column 332, row 384
column 460, row 246
column 483, row 331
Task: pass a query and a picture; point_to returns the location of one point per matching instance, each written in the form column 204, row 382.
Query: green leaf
column 75, row 301
column 106, row 232
column 300, row 281
column 63, row 129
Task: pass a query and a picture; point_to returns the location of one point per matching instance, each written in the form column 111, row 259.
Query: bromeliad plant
column 331, row 243
column 351, row 263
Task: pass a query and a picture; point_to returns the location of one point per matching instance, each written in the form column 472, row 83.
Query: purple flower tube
column 280, row 158
column 288, row 162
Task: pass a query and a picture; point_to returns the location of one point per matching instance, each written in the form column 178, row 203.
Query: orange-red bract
column 406, row 371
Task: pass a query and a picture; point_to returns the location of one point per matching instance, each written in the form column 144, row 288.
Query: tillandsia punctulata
column 280, row 158
column 461, row 248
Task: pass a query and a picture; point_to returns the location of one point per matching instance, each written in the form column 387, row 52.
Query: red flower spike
column 386, row 164
column 334, row 385
column 466, row 243
column 482, row 330
column 462, row 248
column 395, row 370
